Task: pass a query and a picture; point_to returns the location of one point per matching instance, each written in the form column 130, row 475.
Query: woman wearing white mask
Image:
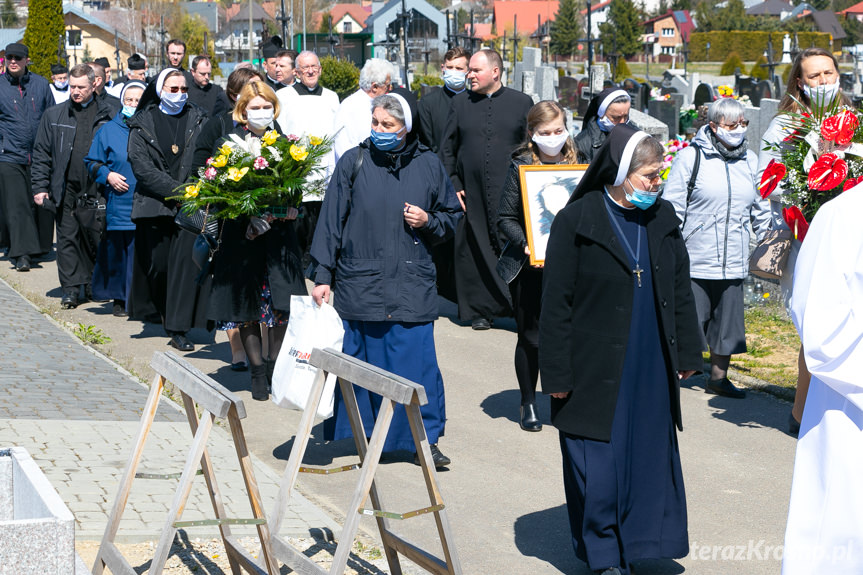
column 162, row 136
column 254, row 279
column 548, row 142
column 813, row 84
column 607, row 109
column 715, row 216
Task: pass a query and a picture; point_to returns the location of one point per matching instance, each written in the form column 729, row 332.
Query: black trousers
column 163, row 276
column 76, row 252
column 16, row 203
column 305, row 227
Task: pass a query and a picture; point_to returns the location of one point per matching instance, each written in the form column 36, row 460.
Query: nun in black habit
column 607, row 109
column 618, row 331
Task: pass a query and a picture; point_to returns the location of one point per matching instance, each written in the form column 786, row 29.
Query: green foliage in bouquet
column 249, row 175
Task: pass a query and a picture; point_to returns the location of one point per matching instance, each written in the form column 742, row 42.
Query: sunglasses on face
column 14, row 58
column 175, row 89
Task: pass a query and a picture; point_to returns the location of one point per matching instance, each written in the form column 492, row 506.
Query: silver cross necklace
column 637, row 271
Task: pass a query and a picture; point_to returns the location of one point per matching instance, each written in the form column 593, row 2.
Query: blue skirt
column 112, row 274
column 407, row 350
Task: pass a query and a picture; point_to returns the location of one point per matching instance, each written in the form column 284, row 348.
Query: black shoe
column 793, row 425
column 181, row 342
column 271, row 367
column 725, row 388
column 23, row 264
column 259, row 383
column 240, row 366
column 69, row 301
column 480, row 324
column 440, row 460
column 529, row 419
column 119, row 308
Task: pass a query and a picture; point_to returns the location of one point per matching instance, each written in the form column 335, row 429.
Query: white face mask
column 605, row 124
column 260, row 119
column 454, row 80
column 821, row 95
column 61, row 85
column 731, row 138
column 550, row 145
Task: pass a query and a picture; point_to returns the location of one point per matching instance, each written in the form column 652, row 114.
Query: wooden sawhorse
column 394, row 390
column 214, row 400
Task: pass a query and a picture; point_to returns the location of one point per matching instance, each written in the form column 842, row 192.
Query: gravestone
column 682, row 86
column 648, row 124
column 759, row 119
column 531, row 77
column 633, row 88
column 583, row 96
column 763, row 89
column 547, row 82
column 598, row 75
column 667, row 112
column 704, row 94
column 568, row 92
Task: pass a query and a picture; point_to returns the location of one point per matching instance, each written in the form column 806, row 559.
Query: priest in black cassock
column 483, row 128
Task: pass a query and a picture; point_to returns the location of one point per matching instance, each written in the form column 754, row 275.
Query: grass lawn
column 773, row 345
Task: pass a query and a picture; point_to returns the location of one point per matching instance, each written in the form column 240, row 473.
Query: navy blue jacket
column 379, row 268
column 21, row 108
column 108, row 154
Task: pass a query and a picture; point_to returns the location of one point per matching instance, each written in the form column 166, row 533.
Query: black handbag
column 90, row 212
column 198, row 222
column 511, row 262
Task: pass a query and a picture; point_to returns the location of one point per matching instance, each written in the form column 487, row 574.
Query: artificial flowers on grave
column 249, row 176
column 672, row 147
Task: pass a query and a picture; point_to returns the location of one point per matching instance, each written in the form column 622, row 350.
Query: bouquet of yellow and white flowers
column 250, row 176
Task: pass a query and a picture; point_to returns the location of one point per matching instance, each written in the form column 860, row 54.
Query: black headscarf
column 611, row 162
column 597, row 102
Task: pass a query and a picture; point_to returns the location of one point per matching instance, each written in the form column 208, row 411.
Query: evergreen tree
column 623, row 28
column 8, row 16
column 758, row 71
column 565, row 29
column 44, row 29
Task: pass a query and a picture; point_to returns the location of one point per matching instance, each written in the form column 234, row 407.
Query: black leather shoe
column 240, row 366
column 725, row 388
column 23, row 264
column 260, row 387
column 181, row 342
column 69, row 301
column 529, row 419
column 440, row 460
column 119, row 308
column 480, row 324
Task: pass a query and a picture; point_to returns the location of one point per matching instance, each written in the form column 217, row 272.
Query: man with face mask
column 24, row 96
column 61, row 181
column 434, row 105
column 607, row 109
column 59, row 83
column 716, row 217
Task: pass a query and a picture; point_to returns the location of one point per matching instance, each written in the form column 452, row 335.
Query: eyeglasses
column 740, row 124
column 175, row 89
column 650, row 179
column 309, row 68
column 13, row 57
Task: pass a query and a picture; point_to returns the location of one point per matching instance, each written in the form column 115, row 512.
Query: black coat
column 587, row 308
column 588, row 141
column 382, row 269
column 241, row 265
column 155, row 184
column 433, row 109
column 211, row 98
column 53, row 148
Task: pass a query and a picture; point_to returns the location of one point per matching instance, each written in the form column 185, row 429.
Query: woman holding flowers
column 161, row 145
column 715, row 216
column 813, row 92
column 255, row 270
column 379, row 221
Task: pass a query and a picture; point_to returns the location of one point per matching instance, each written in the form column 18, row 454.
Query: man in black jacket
column 24, row 96
column 434, row 105
column 203, row 92
column 61, row 181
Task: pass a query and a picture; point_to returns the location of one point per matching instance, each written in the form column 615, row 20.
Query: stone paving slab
column 77, row 413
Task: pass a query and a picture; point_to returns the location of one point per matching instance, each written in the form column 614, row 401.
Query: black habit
column 481, row 133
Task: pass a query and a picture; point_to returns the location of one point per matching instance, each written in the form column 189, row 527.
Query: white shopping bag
column 309, row 326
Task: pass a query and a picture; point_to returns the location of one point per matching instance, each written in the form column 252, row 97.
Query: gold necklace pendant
column 175, row 148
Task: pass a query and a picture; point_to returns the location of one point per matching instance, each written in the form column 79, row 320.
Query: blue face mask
column 128, row 111
column 641, row 199
column 454, row 80
column 386, row 141
column 605, row 124
column 172, row 103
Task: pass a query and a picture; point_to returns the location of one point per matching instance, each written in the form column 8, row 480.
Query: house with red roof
column 855, row 11
column 670, row 31
column 349, row 18
column 528, row 15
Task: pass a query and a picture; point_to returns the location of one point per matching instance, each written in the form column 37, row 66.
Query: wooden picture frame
column 545, row 189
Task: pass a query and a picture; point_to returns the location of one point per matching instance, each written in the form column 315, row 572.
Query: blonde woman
column 548, row 142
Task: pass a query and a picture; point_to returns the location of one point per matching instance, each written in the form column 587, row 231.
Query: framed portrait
column 545, row 189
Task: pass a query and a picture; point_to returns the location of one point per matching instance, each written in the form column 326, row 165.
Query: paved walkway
column 77, row 414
